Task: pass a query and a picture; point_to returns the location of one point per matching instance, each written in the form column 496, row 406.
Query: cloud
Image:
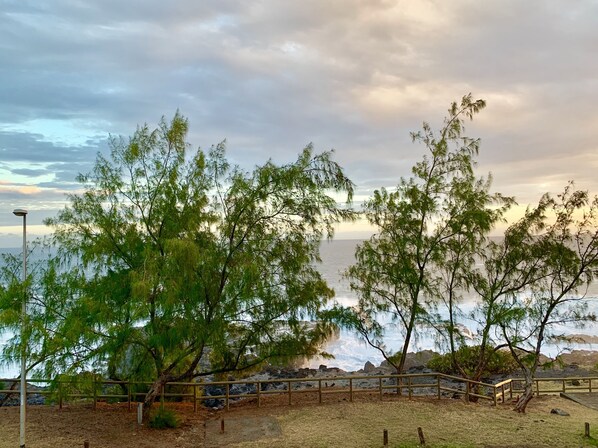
column 271, row 77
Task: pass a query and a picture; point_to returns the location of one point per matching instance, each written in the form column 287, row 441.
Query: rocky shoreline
column 578, row 363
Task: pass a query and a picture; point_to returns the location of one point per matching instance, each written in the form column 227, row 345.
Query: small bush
column 164, row 418
column 500, row 362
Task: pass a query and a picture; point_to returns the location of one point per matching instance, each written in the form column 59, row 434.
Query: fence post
column 228, row 396
column 587, row 430
column 385, row 437
column 290, row 392
column 467, row 387
column 129, row 395
column 259, row 397
column 320, row 391
column 95, row 392
column 351, row 390
column 195, row 398
column 409, row 386
column 438, row 385
column 564, row 387
column 380, row 387
column 139, row 413
column 590, row 380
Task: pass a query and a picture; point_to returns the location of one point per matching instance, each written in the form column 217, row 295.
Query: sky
column 271, row 76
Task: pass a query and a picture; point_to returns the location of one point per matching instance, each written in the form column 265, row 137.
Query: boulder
column 558, row 411
column 369, row 367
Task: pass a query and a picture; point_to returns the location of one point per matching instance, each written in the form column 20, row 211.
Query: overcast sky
column 271, row 76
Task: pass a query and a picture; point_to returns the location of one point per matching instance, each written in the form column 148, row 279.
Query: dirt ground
column 113, row 425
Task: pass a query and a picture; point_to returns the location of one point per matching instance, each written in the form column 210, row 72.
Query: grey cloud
column 29, row 172
column 271, row 77
column 26, row 147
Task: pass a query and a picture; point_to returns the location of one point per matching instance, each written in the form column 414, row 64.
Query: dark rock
column 575, row 383
column 323, row 367
column 214, row 404
column 369, row 367
column 214, row 390
column 558, row 411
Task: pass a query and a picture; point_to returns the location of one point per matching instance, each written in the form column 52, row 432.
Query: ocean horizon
column 349, row 350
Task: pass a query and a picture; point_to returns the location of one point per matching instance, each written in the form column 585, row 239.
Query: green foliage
column 558, row 247
column 64, row 386
column 442, row 202
column 173, row 264
column 164, row 418
column 499, row 362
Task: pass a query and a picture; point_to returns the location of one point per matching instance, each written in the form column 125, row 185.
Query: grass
column 164, row 418
column 446, row 424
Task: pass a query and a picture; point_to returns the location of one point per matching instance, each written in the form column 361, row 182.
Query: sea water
column 349, row 350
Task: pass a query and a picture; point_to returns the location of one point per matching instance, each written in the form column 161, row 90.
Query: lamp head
column 20, row 211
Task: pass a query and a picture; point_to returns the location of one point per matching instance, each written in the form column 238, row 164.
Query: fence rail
column 424, row 384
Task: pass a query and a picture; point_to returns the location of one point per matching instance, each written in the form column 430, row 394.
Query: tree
column 506, row 268
column 183, row 265
column 564, row 256
column 442, row 204
column 44, row 273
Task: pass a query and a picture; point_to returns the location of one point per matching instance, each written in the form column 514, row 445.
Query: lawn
column 445, row 423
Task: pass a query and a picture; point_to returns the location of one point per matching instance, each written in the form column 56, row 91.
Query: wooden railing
column 410, row 385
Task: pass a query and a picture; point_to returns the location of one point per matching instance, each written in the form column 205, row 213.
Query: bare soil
column 305, row 423
column 336, row 422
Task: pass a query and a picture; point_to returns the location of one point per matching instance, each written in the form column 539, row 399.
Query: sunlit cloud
column 270, row 77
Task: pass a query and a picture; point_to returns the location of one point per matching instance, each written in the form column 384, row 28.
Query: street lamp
column 23, row 394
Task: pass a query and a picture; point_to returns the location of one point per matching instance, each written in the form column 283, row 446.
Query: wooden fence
column 410, row 385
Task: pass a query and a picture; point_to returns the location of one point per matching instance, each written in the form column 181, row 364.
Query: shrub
column 500, row 362
column 164, row 418
column 65, row 386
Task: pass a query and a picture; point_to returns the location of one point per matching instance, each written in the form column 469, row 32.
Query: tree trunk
column 150, row 397
column 528, row 393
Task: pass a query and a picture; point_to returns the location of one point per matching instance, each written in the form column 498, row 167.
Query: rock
column 323, row 367
column 369, row 367
column 558, row 411
column 575, row 383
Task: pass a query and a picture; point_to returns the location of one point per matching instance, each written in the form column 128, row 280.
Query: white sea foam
column 350, row 351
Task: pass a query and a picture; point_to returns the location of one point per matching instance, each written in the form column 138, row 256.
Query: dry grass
column 445, row 424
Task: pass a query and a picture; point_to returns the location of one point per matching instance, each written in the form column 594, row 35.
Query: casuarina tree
column 182, row 265
column 442, row 204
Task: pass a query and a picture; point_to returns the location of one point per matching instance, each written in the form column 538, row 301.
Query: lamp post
column 23, row 394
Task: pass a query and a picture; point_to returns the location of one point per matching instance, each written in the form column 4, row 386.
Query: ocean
column 349, row 351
